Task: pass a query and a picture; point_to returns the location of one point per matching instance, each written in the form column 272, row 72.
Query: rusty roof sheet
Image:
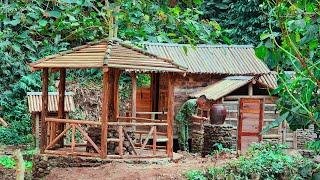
column 269, row 80
column 35, row 102
column 222, row 87
column 215, row 59
column 109, row 53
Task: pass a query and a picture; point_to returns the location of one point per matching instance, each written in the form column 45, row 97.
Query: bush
column 195, row 175
column 264, row 161
column 9, row 163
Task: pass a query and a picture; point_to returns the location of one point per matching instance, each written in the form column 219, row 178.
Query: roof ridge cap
column 201, row 45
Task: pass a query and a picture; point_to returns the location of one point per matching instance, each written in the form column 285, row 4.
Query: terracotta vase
column 218, row 114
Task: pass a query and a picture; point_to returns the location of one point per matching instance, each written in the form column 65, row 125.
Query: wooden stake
column 20, row 167
column 105, row 111
column 170, row 116
column 44, row 112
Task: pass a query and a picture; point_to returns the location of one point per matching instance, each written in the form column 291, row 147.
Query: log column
column 134, row 95
column 44, row 112
column 61, row 103
column 170, row 115
column 116, row 93
column 105, row 112
column 155, row 88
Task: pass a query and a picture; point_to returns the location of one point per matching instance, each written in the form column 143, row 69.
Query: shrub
column 195, row 175
column 9, row 163
column 264, row 161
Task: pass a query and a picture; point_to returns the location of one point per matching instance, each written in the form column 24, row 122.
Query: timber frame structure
column 113, row 57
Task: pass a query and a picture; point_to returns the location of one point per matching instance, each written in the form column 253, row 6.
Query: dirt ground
column 134, row 171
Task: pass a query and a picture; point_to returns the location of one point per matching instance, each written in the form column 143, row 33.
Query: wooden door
column 250, row 122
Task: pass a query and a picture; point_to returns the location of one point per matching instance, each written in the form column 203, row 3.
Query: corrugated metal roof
column 269, row 80
column 35, row 102
column 222, row 87
column 109, row 53
column 216, row 59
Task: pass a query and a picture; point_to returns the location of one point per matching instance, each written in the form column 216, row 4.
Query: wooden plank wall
column 143, row 101
column 280, row 134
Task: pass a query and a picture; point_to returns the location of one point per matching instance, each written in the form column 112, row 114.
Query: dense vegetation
column 292, row 43
column 244, row 20
column 262, row 161
column 30, row 30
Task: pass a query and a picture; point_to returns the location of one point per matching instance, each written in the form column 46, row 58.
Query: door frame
column 240, row 120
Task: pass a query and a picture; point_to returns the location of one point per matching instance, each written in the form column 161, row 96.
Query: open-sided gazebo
column 112, row 56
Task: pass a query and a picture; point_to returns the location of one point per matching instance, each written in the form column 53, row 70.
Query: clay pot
column 218, row 114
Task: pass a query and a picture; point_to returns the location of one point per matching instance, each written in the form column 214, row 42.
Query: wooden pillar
column 37, row 129
column 155, row 89
column 116, row 93
column 61, row 103
column 105, row 111
column 134, row 95
column 170, row 115
column 111, row 81
column 44, row 111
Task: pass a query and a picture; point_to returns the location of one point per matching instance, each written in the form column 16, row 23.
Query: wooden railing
column 153, row 114
column 70, row 125
column 141, row 142
column 139, row 145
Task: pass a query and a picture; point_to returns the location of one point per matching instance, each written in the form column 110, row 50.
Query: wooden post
column 44, row 112
column 155, row 91
column 73, row 140
column 154, row 142
column 134, row 95
column 20, row 167
column 61, row 112
column 134, row 99
column 121, row 139
column 111, row 81
column 105, row 111
column 37, row 130
column 170, row 116
column 116, row 93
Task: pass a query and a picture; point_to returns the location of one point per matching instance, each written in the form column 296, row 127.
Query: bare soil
column 136, row 171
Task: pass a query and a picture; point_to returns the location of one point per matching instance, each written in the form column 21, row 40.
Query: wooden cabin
column 226, row 74
column 35, row 108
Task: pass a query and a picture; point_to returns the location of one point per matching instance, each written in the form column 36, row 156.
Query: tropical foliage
column 244, row 20
column 30, row 30
column 292, row 43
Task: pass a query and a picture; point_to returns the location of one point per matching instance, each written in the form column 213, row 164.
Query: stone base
column 214, row 134
column 197, row 142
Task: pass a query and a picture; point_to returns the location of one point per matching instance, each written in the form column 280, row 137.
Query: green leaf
column 261, row 51
column 275, row 123
column 55, row 14
column 14, row 22
column 198, row 1
column 43, row 22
